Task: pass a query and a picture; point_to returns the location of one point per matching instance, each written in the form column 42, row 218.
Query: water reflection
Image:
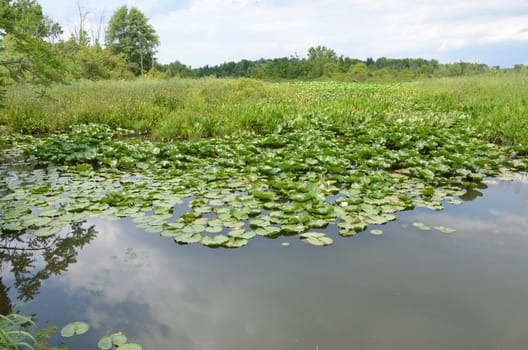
column 32, row 261
column 406, row 289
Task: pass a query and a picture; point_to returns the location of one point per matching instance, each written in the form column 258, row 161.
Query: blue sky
column 200, row 32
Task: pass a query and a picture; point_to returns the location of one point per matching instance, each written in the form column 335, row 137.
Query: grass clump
column 14, row 332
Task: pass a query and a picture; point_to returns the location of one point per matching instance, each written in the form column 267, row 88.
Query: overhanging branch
column 6, row 63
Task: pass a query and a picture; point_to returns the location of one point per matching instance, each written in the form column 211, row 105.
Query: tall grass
column 13, row 332
column 494, row 105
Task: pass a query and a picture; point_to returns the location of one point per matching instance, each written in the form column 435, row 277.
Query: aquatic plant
column 224, row 191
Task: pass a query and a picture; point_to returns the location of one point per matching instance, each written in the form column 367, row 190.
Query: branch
column 6, row 63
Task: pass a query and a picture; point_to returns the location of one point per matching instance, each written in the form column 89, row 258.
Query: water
column 406, row 289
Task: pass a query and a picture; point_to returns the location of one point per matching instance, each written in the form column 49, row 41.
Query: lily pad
column 270, row 231
column 215, row 241
column 376, row 232
column 316, row 238
column 74, row 328
column 421, row 226
column 188, row 238
column 48, row 231
column 445, row 229
column 108, row 341
column 130, row 346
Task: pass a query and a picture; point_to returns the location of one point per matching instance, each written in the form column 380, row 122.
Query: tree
column 321, row 60
column 129, row 34
column 26, row 51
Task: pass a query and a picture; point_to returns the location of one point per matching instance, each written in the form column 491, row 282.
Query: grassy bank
column 494, row 105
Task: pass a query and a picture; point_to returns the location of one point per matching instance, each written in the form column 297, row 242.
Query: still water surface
column 406, row 289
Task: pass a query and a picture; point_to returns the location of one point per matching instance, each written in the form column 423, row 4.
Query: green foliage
column 25, row 53
column 284, row 182
column 322, row 63
column 14, row 332
column 492, row 104
column 129, row 34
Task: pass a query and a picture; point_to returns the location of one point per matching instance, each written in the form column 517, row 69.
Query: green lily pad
column 105, row 343
column 130, row 346
column 48, row 231
column 316, row 238
column 119, row 339
column 376, row 232
column 270, row 231
column 421, row 226
column 13, row 228
column 74, row 328
column 242, row 234
column 108, row 341
column 259, row 223
column 188, row 238
column 444, row 229
column 235, row 242
column 215, row 241
column 36, row 221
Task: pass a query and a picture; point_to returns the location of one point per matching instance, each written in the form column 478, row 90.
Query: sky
column 210, row 32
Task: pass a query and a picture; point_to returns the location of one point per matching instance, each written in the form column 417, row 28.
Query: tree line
column 323, row 63
column 32, row 48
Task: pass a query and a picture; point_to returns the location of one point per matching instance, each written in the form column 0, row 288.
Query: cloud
column 203, row 32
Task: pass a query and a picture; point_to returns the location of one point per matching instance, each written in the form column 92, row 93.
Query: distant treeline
column 323, row 63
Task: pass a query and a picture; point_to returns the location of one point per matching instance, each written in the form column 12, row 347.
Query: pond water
column 404, row 289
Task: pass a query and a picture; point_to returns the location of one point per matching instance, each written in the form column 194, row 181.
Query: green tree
column 321, row 60
column 359, row 71
column 26, row 51
column 129, row 34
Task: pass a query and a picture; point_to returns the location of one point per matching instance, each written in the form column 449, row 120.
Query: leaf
column 68, row 330
column 188, row 238
column 81, row 327
column 316, row 238
column 421, row 226
column 130, row 346
column 119, row 339
column 444, row 229
column 105, row 343
column 13, row 228
column 258, row 223
column 48, row 231
column 376, row 232
column 215, row 241
column 236, row 242
column 270, row 231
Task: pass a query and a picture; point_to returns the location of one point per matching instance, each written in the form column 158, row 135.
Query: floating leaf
column 105, row 343
column 316, row 238
column 74, row 328
column 235, row 242
column 48, row 231
column 36, row 221
column 188, row 238
column 119, row 339
column 258, row 223
column 376, row 232
column 270, row 231
column 13, row 228
column 130, row 346
column 444, row 229
column 421, row 226
column 215, row 241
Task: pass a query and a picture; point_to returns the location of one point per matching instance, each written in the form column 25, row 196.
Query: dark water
column 406, row 289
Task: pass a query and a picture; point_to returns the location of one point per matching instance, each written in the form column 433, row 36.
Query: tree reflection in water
column 32, row 261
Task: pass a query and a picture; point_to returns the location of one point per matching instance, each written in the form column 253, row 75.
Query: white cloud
column 203, row 32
